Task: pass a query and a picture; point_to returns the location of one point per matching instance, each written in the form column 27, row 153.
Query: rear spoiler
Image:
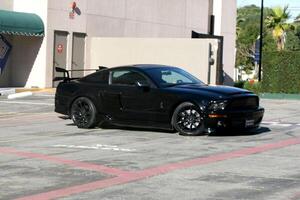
column 66, row 73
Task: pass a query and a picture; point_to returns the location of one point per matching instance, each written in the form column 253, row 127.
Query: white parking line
column 269, row 122
column 97, row 146
column 284, row 125
column 27, row 103
column 277, row 124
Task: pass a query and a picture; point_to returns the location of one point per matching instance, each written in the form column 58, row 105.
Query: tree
column 277, row 22
column 297, row 19
column 293, row 36
column 292, row 41
column 239, row 20
column 297, row 26
column 248, row 28
column 297, row 31
column 247, row 32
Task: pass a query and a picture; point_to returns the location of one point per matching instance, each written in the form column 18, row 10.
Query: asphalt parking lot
column 46, row 157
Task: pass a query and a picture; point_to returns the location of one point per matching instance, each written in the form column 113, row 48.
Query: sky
column 294, row 5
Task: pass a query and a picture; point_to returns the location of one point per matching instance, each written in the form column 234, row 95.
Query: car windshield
column 171, row 76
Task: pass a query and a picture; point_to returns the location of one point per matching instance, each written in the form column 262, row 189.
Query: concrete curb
column 7, row 91
column 36, row 90
column 19, row 95
column 280, row 96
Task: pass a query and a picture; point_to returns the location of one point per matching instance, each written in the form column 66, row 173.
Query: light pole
column 261, row 38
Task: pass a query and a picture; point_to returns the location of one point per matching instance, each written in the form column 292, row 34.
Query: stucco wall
column 26, row 62
column 6, row 4
column 37, row 75
column 225, row 25
column 124, row 18
column 189, row 54
column 142, row 19
column 131, row 18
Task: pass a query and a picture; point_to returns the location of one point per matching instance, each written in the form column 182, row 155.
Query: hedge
column 281, row 72
column 254, row 87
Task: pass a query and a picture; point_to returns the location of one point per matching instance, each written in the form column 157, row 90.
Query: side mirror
column 143, row 85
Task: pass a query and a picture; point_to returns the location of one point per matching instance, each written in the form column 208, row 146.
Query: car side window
column 174, row 77
column 126, row 77
column 98, row 77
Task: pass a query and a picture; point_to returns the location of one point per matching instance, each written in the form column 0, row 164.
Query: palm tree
column 277, row 22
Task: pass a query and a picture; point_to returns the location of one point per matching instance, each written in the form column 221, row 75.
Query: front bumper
column 237, row 120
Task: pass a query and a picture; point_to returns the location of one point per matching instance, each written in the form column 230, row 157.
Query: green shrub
column 239, row 84
column 255, row 87
column 281, row 72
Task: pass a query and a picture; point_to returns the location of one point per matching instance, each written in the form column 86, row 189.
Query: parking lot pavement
column 46, row 157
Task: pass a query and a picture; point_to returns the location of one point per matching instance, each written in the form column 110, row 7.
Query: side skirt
column 146, row 125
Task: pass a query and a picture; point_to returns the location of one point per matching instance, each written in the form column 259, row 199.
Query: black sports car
column 156, row 96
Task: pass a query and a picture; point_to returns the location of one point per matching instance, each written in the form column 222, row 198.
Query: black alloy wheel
column 188, row 120
column 84, row 113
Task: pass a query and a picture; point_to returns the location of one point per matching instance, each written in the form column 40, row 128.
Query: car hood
column 212, row 90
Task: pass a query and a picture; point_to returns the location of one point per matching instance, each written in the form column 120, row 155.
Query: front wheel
column 84, row 113
column 188, row 120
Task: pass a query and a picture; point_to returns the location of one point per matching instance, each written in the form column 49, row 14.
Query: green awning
column 18, row 23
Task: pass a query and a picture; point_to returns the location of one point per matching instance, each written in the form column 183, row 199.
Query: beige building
column 87, row 33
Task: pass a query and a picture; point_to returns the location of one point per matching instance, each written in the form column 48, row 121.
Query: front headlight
column 217, row 105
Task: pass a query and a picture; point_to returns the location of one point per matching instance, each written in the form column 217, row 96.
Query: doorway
column 59, row 52
column 78, row 54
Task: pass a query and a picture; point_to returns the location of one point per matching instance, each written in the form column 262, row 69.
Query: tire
column 187, row 119
column 84, row 113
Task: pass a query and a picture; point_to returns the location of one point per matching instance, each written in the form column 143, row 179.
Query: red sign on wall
column 60, row 48
column 71, row 15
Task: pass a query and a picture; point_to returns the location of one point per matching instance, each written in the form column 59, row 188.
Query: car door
column 137, row 103
column 106, row 98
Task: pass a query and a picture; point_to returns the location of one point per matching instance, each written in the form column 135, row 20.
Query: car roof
column 140, row 67
column 144, row 66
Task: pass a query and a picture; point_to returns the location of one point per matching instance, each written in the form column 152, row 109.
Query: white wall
column 143, row 19
column 225, row 25
column 189, row 54
column 24, row 60
column 131, row 18
column 6, row 4
column 124, row 18
column 37, row 76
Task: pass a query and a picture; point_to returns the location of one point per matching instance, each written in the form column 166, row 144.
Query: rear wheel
column 188, row 120
column 84, row 113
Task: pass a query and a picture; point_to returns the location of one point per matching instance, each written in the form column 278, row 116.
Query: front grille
column 244, row 103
